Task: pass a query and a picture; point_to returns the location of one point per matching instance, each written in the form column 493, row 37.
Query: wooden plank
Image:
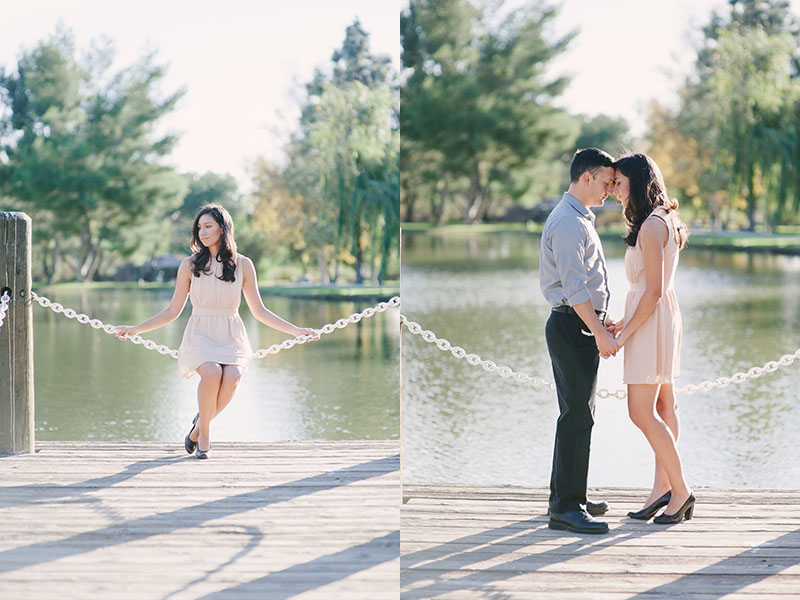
column 462, row 541
column 84, row 520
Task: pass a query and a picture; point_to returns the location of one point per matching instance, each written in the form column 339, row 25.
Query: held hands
column 614, row 330
column 614, row 327
column 607, row 344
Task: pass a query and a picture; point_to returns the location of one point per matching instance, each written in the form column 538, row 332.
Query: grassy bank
column 780, row 243
column 337, row 292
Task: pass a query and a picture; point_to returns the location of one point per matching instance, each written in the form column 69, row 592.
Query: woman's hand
column 615, row 327
column 309, row 334
column 123, row 331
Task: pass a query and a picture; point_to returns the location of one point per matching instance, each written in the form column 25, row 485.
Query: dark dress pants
column 575, row 359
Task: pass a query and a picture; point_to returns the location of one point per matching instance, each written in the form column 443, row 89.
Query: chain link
column 473, row 359
column 4, row 302
column 621, row 394
column 330, row 327
column 162, row 349
column 98, row 324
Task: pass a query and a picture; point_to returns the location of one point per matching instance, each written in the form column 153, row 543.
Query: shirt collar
column 578, row 206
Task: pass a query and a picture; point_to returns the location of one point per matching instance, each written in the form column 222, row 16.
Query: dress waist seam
column 215, row 311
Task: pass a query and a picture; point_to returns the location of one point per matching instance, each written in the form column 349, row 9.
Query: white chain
column 538, row 382
column 473, row 359
column 330, row 327
column 161, row 349
column 4, row 302
column 98, row 324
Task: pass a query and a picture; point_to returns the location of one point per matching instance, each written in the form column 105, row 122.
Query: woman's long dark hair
column 227, row 245
column 646, row 193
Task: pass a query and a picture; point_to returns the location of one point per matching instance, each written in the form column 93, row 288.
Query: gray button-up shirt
column 572, row 267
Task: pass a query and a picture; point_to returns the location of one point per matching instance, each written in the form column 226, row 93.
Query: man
column 574, row 280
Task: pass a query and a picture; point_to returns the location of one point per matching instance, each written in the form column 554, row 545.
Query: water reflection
column 481, row 292
column 90, row 386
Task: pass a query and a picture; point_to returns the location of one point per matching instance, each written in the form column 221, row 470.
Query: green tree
column 83, row 155
column 476, row 95
column 739, row 114
column 342, row 174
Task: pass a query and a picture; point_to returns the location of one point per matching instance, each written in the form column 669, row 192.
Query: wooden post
column 16, row 336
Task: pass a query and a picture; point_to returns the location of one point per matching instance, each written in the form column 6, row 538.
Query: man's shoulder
column 563, row 220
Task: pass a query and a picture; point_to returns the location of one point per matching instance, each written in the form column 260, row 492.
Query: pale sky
column 650, row 46
column 241, row 61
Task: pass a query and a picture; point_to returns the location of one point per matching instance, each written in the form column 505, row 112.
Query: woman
column 215, row 343
column 651, row 328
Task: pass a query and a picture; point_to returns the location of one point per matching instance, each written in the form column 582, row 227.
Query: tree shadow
column 53, row 491
column 319, row 571
column 734, row 573
column 529, row 532
column 190, row 516
column 255, row 534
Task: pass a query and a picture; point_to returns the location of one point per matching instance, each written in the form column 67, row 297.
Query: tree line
column 82, row 150
column 483, row 136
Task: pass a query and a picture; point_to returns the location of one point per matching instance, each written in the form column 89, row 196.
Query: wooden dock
column 146, row 520
column 468, row 542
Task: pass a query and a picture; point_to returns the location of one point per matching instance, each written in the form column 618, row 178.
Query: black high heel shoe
column 190, row 445
column 684, row 511
column 202, row 454
column 649, row 511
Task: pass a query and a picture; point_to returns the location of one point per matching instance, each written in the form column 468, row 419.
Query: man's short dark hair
column 588, row 159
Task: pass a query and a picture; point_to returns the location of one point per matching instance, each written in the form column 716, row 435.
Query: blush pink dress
column 652, row 354
column 215, row 332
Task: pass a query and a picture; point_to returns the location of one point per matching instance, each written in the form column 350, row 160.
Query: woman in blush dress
column 215, row 344
column 650, row 331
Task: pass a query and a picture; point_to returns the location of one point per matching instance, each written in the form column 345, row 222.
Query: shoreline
column 729, row 241
column 309, row 292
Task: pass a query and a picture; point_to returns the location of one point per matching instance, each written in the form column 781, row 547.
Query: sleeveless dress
column 652, row 354
column 215, row 332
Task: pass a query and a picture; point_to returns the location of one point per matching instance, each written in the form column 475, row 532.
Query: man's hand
column 606, row 344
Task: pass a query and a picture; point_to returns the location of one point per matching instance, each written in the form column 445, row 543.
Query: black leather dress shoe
column 577, row 521
column 593, row 508
column 596, row 508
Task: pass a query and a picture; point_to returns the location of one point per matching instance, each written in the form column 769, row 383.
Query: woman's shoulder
column 244, row 261
column 655, row 226
column 187, row 263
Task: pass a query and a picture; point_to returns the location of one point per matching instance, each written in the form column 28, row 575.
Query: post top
column 14, row 216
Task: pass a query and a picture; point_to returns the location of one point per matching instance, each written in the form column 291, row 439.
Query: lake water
column 91, row 386
column 481, row 292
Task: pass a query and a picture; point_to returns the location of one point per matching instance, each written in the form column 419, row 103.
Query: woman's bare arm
column 652, row 238
column 171, row 312
column 256, row 305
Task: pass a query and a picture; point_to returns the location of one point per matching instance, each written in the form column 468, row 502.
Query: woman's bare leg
column 641, row 408
column 231, row 376
column 667, row 408
column 207, row 392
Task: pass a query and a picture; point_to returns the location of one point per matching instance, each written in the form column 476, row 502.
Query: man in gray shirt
column 574, row 280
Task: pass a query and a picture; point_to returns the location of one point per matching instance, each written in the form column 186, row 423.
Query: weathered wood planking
column 146, row 520
column 466, row 542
